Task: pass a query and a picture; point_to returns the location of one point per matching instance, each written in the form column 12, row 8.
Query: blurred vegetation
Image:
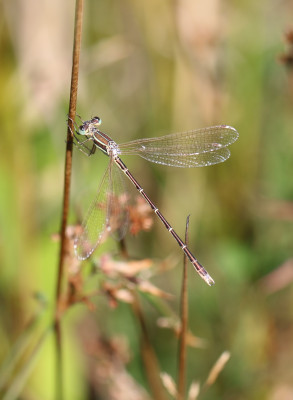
column 150, row 68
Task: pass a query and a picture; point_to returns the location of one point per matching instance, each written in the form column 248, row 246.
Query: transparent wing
column 106, row 214
column 189, row 160
column 118, row 204
column 196, row 148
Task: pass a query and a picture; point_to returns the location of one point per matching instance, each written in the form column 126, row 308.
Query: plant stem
column 67, row 181
column 184, row 324
column 149, row 358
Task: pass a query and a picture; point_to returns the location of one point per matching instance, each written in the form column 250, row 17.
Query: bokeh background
column 150, row 68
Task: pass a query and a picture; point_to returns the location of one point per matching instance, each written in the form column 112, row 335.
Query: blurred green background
column 150, row 68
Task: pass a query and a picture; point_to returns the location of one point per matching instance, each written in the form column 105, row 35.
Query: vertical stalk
column 149, row 358
column 66, row 193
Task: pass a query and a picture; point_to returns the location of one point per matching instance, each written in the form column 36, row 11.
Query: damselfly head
column 83, row 129
column 96, row 121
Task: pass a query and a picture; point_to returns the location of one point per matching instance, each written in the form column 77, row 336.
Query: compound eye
column 96, row 121
column 82, row 130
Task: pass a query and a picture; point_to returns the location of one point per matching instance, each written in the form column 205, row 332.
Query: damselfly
column 197, row 148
